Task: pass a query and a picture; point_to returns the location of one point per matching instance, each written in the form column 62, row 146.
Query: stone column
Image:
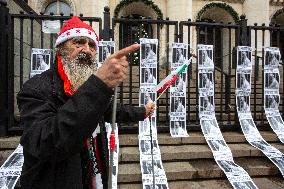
column 257, row 11
column 181, row 10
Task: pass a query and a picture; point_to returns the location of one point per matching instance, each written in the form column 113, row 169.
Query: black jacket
column 56, row 128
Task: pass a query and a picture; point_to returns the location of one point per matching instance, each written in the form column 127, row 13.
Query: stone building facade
column 226, row 11
column 256, row 11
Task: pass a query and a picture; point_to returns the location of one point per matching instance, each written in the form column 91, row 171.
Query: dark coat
column 56, row 128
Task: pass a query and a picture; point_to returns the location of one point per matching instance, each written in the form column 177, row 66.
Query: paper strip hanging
column 178, row 92
column 153, row 174
column 236, row 175
column 271, row 90
column 106, row 48
column 40, row 61
column 243, row 90
column 11, row 169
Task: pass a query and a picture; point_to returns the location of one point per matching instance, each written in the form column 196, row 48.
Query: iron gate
column 23, row 32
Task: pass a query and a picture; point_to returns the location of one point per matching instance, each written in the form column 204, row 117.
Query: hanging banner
column 40, row 61
column 236, row 175
column 153, row 174
column 106, row 48
column 271, row 90
column 11, row 169
column 178, row 91
column 51, row 26
column 243, row 90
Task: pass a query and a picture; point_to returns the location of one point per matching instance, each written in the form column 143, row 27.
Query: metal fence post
column 106, row 30
column 244, row 32
column 4, row 44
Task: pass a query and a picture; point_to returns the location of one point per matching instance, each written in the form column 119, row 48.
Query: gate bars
column 23, row 32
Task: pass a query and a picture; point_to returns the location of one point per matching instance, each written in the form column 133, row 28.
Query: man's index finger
column 125, row 51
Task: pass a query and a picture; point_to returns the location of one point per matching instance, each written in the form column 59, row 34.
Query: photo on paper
column 279, row 161
column 276, row 122
column 8, row 182
column 158, row 169
column 105, row 50
column 263, row 145
column 243, row 104
column 179, row 55
column 178, row 104
column 271, row 80
column 271, row 101
column 206, row 83
column 149, row 75
column 147, row 167
column 144, row 127
column 114, row 170
column 180, row 84
column 230, row 166
column 145, row 147
column 206, row 104
column 218, row 145
column 157, row 186
column 272, row 57
column 210, row 127
column 205, row 58
column 178, row 128
column 244, row 82
column 248, row 126
column 244, row 185
column 148, row 53
column 161, row 186
column 15, row 161
column 147, row 97
column 40, row 60
column 244, row 59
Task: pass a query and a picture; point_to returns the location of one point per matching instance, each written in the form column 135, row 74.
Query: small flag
column 171, row 78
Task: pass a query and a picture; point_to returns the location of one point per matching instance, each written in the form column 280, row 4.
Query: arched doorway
column 216, row 36
column 131, row 32
column 277, row 37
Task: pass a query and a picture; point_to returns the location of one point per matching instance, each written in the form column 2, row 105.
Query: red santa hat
column 74, row 27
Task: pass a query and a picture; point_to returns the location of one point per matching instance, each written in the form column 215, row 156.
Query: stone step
column 261, row 182
column 225, row 117
column 7, row 146
column 194, row 138
column 193, row 151
column 199, row 169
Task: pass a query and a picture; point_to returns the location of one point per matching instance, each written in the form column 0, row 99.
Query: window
column 131, row 32
column 58, row 7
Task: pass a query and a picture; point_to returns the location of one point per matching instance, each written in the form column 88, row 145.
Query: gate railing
column 222, row 37
column 26, row 33
column 154, row 28
column 21, row 32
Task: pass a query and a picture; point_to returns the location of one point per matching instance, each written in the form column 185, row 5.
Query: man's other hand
column 150, row 108
column 115, row 68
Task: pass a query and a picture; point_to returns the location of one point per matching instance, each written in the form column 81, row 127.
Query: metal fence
column 23, row 32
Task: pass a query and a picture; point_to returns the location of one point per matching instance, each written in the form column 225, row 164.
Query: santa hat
column 74, row 27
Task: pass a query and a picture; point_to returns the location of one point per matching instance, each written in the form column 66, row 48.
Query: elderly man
column 61, row 108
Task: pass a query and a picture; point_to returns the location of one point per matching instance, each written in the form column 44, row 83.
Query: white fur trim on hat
column 76, row 32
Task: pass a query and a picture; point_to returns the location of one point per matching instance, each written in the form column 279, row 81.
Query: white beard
column 78, row 72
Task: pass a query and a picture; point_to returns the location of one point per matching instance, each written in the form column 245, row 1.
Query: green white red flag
column 172, row 77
